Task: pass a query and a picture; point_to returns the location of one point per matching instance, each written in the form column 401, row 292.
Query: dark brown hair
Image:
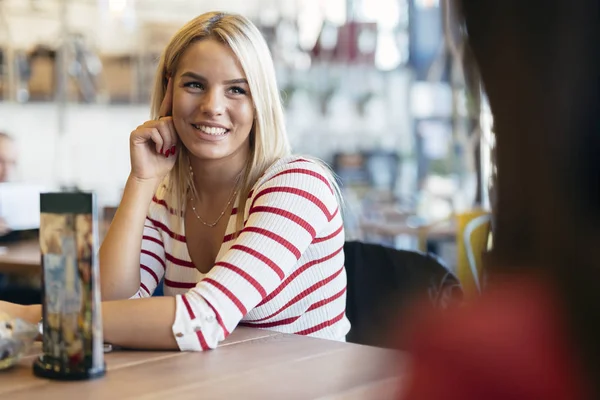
column 539, row 64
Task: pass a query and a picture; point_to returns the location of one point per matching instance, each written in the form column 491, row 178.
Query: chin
column 216, row 151
column 204, row 153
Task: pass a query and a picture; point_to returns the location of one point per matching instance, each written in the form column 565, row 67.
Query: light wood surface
column 250, row 364
column 21, row 258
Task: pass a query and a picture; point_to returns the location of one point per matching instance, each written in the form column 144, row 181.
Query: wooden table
column 250, row 364
column 21, row 257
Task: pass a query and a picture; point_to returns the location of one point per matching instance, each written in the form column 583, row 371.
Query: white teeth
column 209, row 130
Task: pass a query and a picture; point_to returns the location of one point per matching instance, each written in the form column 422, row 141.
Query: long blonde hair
column 268, row 138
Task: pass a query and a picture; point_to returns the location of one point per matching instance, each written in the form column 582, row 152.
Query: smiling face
column 212, row 107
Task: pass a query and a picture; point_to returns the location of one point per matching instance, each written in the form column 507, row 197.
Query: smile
column 209, row 130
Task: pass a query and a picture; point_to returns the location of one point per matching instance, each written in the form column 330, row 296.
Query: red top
column 510, row 344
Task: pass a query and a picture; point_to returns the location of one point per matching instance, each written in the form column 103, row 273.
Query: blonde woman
column 215, row 206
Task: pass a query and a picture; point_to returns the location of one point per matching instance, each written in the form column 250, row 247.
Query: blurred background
column 375, row 88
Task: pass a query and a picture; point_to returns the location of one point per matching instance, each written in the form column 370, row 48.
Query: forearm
column 120, row 250
column 140, row 324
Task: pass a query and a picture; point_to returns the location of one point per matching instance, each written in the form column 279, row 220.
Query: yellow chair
column 472, row 240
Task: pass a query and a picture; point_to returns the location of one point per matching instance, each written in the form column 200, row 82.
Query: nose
column 213, row 102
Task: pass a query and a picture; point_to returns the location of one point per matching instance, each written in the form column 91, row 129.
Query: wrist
column 137, row 196
column 143, row 183
column 32, row 314
column 141, row 188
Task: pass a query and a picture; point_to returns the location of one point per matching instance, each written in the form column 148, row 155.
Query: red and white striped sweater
column 284, row 272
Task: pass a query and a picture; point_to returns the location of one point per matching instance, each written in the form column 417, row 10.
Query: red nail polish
column 167, row 153
column 161, row 150
column 173, row 149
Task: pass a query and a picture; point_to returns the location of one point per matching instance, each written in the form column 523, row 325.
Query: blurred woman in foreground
column 535, row 334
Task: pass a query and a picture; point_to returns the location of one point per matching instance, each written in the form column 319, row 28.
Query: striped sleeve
column 152, row 260
column 287, row 211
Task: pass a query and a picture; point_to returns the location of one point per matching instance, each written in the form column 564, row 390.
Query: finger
column 165, row 132
column 156, row 137
column 169, row 135
column 173, row 138
column 175, row 146
column 166, row 129
column 166, row 106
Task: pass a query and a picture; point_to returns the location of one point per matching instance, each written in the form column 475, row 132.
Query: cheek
column 183, row 107
column 245, row 114
column 180, row 103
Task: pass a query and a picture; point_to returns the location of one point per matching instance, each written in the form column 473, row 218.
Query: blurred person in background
column 535, row 332
column 8, row 157
column 8, row 163
column 14, row 288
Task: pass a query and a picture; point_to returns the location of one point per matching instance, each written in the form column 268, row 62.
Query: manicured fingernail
column 167, row 153
column 161, row 150
column 173, row 149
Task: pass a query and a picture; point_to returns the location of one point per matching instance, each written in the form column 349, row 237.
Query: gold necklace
column 193, row 200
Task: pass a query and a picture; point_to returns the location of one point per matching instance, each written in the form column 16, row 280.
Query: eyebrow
column 193, row 75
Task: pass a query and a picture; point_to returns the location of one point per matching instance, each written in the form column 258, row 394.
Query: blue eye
column 237, row 90
column 194, row 85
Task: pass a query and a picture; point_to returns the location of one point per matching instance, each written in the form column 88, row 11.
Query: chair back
column 475, row 239
column 463, row 266
column 383, row 282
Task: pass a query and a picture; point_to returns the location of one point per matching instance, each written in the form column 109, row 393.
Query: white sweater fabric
column 284, row 272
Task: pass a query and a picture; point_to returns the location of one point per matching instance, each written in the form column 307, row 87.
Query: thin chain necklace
column 193, row 200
